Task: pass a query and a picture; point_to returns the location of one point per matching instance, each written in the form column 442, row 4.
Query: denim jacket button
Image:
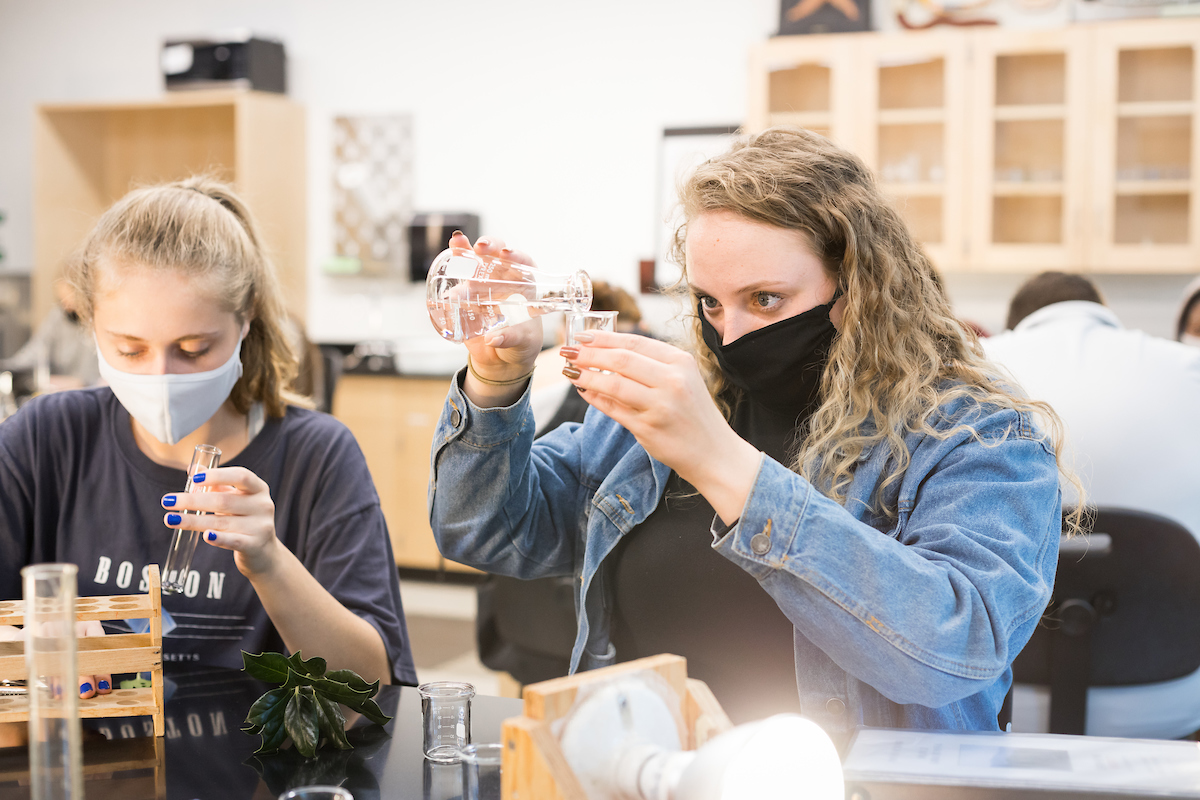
column 455, row 417
column 760, row 543
column 835, row 707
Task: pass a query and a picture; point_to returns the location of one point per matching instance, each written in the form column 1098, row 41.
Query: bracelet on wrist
column 490, row 382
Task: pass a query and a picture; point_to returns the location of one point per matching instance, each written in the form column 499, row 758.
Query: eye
column 709, row 303
column 194, row 354
column 765, row 301
column 132, row 354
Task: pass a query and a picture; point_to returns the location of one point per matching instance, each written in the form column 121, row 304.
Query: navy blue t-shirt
column 75, row 488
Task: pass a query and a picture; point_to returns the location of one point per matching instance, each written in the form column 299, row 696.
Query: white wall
column 544, row 116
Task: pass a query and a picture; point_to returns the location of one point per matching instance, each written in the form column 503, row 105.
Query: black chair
column 1125, row 611
column 526, row 628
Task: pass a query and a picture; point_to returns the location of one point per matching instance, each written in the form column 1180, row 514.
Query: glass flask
column 183, row 544
column 51, row 661
column 446, row 719
column 469, row 295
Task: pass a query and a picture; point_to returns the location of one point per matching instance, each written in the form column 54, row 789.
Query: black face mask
column 778, row 366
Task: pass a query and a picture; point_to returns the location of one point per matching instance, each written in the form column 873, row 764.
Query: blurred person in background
column 61, row 345
column 527, row 627
column 1130, row 404
column 1187, row 321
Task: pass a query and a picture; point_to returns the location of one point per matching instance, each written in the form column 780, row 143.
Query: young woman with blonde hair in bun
column 188, row 322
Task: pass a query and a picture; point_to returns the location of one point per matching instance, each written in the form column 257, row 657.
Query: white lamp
column 623, row 743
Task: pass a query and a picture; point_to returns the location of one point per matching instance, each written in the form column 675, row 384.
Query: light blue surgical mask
column 171, row 406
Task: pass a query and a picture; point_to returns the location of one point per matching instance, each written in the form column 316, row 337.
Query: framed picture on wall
column 681, row 151
column 823, row 16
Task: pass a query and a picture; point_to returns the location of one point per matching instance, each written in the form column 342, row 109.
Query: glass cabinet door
column 1145, row 208
column 1029, row 152
column 806, row 82
column 912, row 135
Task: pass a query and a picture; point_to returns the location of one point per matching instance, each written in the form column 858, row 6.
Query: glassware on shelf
column 52, row 678
column 469, row 295
column 183, row 544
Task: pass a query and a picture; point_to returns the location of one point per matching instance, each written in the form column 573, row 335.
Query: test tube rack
column 100, row 655
column 534, row 766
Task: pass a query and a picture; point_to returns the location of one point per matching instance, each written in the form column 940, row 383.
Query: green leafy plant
column 306, row 708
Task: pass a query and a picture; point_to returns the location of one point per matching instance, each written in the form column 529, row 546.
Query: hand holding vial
column 227, row 507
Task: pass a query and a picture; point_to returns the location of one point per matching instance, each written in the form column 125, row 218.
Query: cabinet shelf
column 1177, row 187
column 1167, row 108
column 1041, row 111
column 1027, row 188
column 913, row 189
column 911, row 116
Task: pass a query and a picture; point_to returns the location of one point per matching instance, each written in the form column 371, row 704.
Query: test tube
column 183, row 543
column 446, row 718
column 52, row 675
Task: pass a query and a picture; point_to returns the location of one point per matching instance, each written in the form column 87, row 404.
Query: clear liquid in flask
column 469, row 295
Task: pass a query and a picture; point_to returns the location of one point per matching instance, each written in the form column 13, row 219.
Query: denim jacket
column 906, row 621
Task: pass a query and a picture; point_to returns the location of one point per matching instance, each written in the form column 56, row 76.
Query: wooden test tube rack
column 100, row 655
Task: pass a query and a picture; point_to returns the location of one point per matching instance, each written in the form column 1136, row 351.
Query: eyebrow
column 190, row 337
column 749, row 288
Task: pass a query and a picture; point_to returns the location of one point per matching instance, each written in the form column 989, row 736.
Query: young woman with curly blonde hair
column 825, row 501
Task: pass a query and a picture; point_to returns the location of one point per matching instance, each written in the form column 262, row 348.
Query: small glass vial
column 183, row 544
column 446, row 719
column 51, row 661
column 481, row 771
column 469, row 295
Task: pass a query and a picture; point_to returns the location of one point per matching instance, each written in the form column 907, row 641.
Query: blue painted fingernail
column 85, row 688
column 198, row 477
column 102, row 685
column 212, row 537
column 174, row 519
column 168, row 501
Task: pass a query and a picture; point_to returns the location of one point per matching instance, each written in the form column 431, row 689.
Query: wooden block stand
column 534, row 767
column 100, row 655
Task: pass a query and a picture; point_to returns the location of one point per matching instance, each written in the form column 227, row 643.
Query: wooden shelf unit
column 394, row 418
column 100, row 655
column 1013, row 150
column 88, row 155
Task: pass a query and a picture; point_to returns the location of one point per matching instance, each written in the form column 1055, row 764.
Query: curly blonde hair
column 199, row 226
column 901, row 353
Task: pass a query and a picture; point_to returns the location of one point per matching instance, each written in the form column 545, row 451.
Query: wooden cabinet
column 86, row 156
column 393, row 418
column 1013, row 151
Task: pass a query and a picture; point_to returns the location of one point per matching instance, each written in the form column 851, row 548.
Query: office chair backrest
column 1125, row 611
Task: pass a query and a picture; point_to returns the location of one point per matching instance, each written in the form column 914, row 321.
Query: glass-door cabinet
column 912, row 134
column 1029, row 116
column 1145, row 210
